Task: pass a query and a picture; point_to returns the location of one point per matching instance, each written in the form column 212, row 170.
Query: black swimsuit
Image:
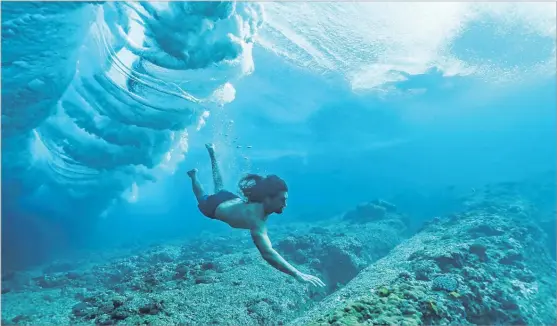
column 208, row 204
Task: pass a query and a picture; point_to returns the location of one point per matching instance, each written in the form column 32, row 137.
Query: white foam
column 372, row 43
column 110, row 134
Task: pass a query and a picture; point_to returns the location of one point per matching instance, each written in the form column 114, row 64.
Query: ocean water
column 417, row 141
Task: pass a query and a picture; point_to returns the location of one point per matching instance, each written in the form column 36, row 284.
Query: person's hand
column 306, row 278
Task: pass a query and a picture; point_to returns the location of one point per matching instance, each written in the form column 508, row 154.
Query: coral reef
column 487, row 265
column 213, row 279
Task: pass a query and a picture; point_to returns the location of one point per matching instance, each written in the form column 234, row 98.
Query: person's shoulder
column 252, row 206
column 258, row 227
column 255, row 214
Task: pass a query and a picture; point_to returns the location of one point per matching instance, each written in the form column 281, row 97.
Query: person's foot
column 210, row 147
column 192, row 173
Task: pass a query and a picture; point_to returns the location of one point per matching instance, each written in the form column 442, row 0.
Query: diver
column 264, row 196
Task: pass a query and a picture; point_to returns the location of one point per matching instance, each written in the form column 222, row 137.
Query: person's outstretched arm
column 263, row 244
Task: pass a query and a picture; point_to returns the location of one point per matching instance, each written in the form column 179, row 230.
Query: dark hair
column 256, row 188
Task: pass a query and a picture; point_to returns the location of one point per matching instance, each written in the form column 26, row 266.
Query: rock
column 245, row 260
column 152, row 308
column 388, row 206
column 315, row 263
column 479, row 250
column 447, row 283
column 51, row 281
column 58, row 267
column 449, row 260
column 405, row 275
column 424, row 269
column 288, row 245
column 486, row 230
column 182, row 270
column 81, row 309
column 205, row 279
column 511, row 257
column 212, row 265
column 118, row 301
column 20, row 318
column 163, row 257
column 120, row 314
column 299, row 257
column 366, row 212
column 104, row 320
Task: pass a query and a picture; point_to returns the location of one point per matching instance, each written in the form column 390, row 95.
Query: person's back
column 239, row 214
column 264, row 196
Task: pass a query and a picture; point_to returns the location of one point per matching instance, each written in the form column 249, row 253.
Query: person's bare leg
column 217, row 177
column 195, row 185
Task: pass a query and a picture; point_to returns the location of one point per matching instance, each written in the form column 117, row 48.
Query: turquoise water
column 446, row 111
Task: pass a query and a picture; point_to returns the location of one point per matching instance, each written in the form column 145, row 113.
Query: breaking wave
column 87, row 119
column 98, row 98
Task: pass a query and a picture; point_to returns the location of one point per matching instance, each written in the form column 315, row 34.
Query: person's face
column 277, row 203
